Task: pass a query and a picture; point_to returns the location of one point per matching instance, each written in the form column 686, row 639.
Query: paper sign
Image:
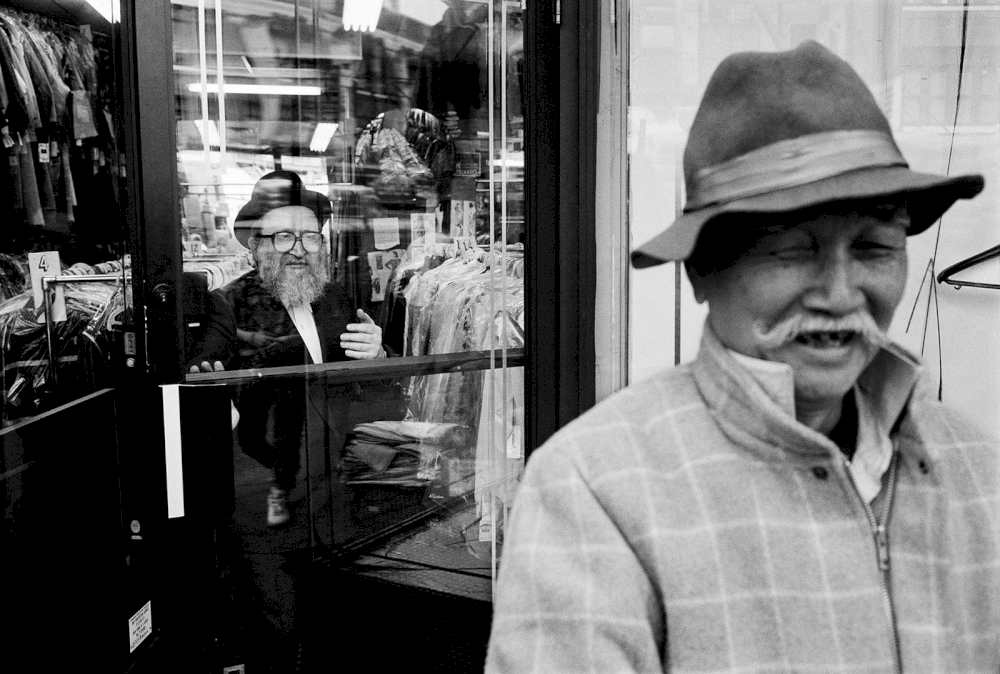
column 515, row 442
column 422, row 226
column 469, row 218
column 468, row 164
column 457, row 209
column 382, row 264
column 47, row 264
column 386, row 232
column 140, row 626
column 43, row 153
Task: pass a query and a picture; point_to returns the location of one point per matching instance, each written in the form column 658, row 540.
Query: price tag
column 46, row 264
column 465, row 243
column 486, row 526
column 386, row 232
column 43, row 153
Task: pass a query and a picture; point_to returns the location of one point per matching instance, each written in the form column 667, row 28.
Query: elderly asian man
column 786, row 502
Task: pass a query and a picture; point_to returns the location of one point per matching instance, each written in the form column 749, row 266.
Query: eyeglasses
column 283, row 242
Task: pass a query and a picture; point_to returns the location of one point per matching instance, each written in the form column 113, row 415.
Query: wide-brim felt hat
column 778, row 132
column 275, row 190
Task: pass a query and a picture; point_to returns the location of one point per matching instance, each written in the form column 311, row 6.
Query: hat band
column 791, row 163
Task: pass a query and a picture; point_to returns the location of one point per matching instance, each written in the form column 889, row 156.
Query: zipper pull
column 882, row 541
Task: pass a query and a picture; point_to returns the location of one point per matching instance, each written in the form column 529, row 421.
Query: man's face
column 297, row 275
column 827, row 272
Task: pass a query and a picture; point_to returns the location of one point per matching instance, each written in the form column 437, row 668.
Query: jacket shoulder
column 633, row 425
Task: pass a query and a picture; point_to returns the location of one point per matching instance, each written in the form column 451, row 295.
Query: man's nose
column 836, row 288
column 298, row 248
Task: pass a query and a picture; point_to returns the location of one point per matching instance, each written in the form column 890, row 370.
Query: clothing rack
column 51, row 281
column 47, row 22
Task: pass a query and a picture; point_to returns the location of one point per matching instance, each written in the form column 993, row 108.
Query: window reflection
column 410, row 135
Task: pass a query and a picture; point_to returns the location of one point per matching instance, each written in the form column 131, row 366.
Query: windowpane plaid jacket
column 687, row 524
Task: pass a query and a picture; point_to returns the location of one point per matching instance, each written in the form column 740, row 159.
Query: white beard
column 294, row 286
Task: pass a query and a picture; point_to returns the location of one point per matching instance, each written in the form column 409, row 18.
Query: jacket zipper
column 881, row 537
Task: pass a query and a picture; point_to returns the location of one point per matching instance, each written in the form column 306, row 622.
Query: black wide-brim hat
column 275, row 190
column 781, row 132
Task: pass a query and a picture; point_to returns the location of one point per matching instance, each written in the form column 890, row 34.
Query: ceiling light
column 322, row 136
column 362, row 15
column 264, row 89
column 109, row 9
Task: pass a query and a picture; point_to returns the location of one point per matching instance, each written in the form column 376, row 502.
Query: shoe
column 277, row 507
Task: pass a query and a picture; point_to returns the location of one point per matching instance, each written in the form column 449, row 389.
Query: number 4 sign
column 47, row 264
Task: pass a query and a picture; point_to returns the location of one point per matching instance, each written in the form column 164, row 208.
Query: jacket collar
column 753, row 400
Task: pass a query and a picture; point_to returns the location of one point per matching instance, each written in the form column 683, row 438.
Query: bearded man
column 286, row 312
column 787, row 502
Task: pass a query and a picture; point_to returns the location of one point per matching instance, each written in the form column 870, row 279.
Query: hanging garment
column 29, row 187
column 15, row 106
column 13, row 51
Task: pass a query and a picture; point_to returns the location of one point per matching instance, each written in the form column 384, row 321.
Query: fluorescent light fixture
column 322, row 136
column 275, row 89
column 213, row 132
column 109, row 9
column 362, row 15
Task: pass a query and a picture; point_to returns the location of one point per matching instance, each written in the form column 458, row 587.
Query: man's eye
column 283, row 237
column 875, row 248
column 791, row 252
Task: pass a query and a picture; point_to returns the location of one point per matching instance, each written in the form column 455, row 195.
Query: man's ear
column 698, row 283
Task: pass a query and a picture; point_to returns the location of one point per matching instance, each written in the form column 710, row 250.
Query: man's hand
column 207, row 367
column 362, row 341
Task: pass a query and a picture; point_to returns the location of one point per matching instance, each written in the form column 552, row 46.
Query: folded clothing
column 404, row 453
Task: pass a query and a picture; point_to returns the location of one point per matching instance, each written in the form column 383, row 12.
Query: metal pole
column 53, row 366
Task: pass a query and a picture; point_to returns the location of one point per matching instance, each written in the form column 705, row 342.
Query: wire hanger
column 948, row 272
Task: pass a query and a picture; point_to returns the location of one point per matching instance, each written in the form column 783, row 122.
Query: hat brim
column 247, row 220
column 928, row 197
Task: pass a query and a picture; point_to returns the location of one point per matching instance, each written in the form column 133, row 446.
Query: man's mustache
column 860, row 323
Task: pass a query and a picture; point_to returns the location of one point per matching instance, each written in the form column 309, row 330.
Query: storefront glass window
column 932, row 66
column 359, row 162
column 64, row 296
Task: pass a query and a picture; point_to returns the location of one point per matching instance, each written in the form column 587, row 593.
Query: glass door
column 355, row 168
column 65, row 323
